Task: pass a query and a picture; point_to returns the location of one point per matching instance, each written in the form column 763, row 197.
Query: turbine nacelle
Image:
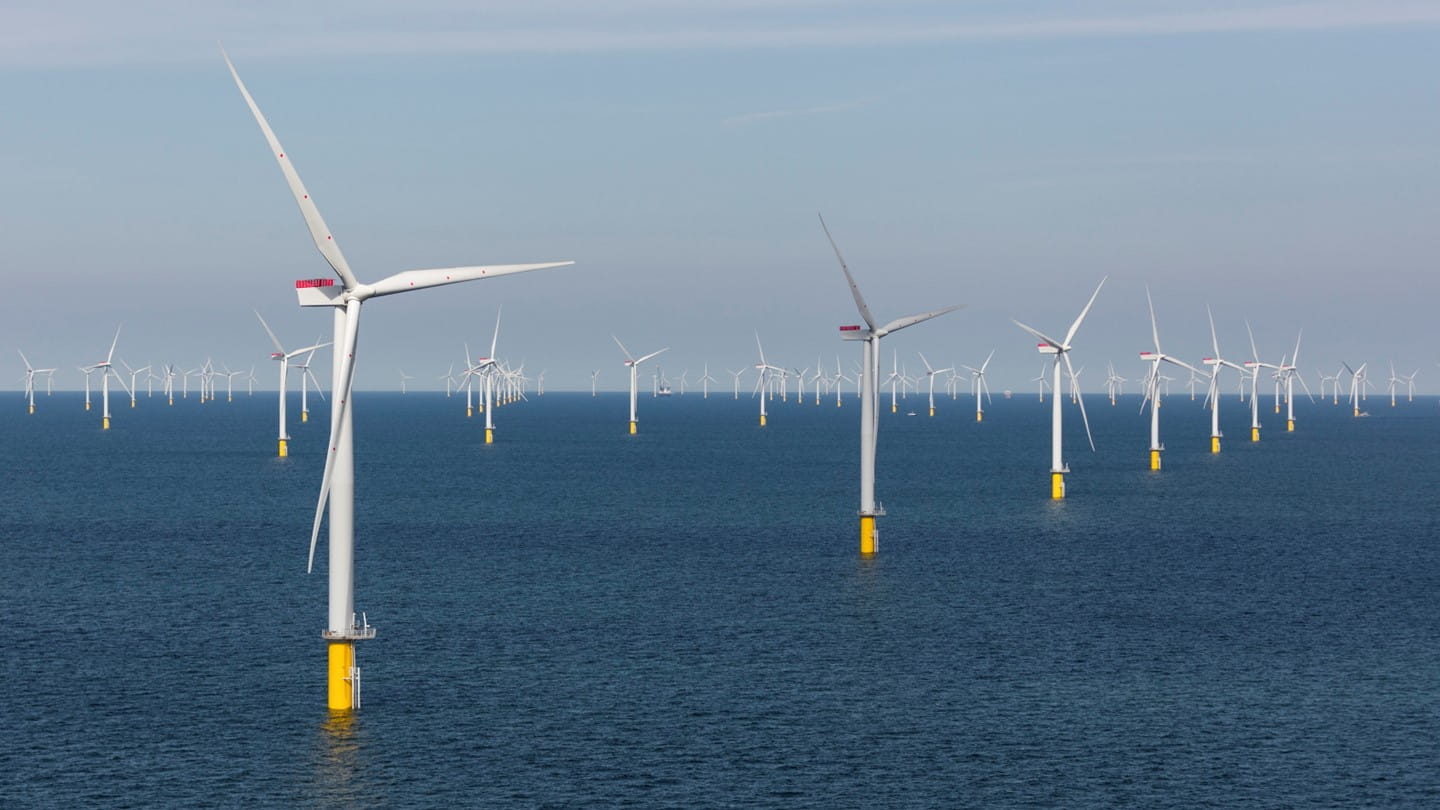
column 1046, row 348
column 854, row 332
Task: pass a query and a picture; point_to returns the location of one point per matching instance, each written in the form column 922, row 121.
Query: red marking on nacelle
column 306, row 283
column 849, row 328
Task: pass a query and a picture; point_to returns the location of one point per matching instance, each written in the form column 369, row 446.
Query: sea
column 577, row 617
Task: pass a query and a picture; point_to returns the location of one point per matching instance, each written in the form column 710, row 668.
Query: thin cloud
column 748, row 118
column 44, row 35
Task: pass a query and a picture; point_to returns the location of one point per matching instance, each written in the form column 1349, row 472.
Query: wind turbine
column 106, row 369
column 1291, row 371
column 870, row 395
column 307, row 376
column 404, row 378
column 1061, row 350
column 1255, row 365
column 705, row 380
column 1358, row 381
column 767, row 373
column 634, row 366
column 284, row 358
column 977, row 376
column 1152, row 393
column 736, row 375
column 30, row 374
column 593, row 376
column 1213, row 396
column 930, row 373
column 487, row 367
column 337, row 484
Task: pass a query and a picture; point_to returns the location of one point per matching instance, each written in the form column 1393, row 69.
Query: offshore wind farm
column 571, row 575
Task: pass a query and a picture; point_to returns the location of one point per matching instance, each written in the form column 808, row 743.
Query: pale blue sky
column 1279, row 160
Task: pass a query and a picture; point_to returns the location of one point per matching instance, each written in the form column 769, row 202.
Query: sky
column 1278, row 160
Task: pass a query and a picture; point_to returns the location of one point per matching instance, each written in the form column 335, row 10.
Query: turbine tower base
column 284, row 448
column 632, row 427
column 1289, row 425
column 304, row 416
column 979, row 416
column 762, row 420
column 868, row 536
column 489, row 435
column 1154, row 460
column 342, row 684
column 1214, row 444
column 87, row 407
column 932, row 411
column 1254, row 434
column 469, row 411
column 1057, row 486
column 32, row 409
column 105, row 423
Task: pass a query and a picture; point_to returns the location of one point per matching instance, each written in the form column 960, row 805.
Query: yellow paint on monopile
column 469, row 411
column 1254, row 434
column 132, row 403
column 867, row 535
column 1289, row 425
column 762, row 420
column 304, row 416
column 932, row 411
column 489, row 436
column 894, row 408
column 632, row 428
column 284, row 449
column 32, row 409
column 87, row 407
column 1214, row 444
column 1154, row 459
column 340, row 689
column 1057, row 486
column 979, row 416
column 105, row 423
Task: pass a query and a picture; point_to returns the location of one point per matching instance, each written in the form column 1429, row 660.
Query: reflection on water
column 339, row 762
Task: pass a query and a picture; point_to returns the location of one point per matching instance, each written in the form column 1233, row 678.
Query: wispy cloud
column 36, row 34
column 749, row 118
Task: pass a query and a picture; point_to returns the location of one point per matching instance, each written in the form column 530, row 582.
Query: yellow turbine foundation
column 979, row 416
column 87, row 407
column 1289, row 425
column 489, row 436
column 1254, row 434
column 1214, row 444
column 1357, row 410
column 304, row 416
column 893, row 408
column 105, row 423
column 1277, row 407
column 342, row 660
column 762, row 420
column 469, row 411
column 932, row 411
column 867, row 535
column 1154, row 459
column 1057, row 486
column 132, row 403
column 284, row 449
column 632, row 428
column 172, row 400
column 32, row 408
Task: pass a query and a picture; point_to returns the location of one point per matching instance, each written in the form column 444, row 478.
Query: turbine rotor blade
column 910, row 320
column 854, row 288
column 1079, row 397
column 338, row 410
column 1074, row 327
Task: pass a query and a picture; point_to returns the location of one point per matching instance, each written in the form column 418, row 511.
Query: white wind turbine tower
column 487, row 366
column 634, row 366
column 284, row 358
column 1409, row 381
column 1061, row 351
column 306, row 375
column 767, row 373
column 870, row 396
column 930, row 373
column 337, row 485
column 736, row 375
column 87, row 371
column 705, row 380
column 230, row 383
column 1394, row 381
column 1041, row 381
column 594, row 375
column 1255, row 365
column 840, row 377
column 1152, row 393
column 134, row 374
column 977, row 376
column 1358, row 381
column 106, row 369
column 404, row 378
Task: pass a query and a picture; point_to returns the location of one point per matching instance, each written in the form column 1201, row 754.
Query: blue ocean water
column 577, row 617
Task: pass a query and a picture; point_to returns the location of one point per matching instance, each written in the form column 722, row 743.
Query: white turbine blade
column 1254, row 352
column 319, row 231
column 761, row 348
column 111, row 355
column 25, row 360
column 650, row 355
column 1295, row 360
column 495, row 338
column 307, row 349
column 1306, row 387
column 986, row 364
column 1181, row 363
column 1079, row 397
column 337, row 417
column 420, row 279
column 910, row 320
column 273, row 339
column 1154, row 328
column 926, row 362
column 854, row 288
column 1037, row 333
column 624, row 350
column 1075, row 327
